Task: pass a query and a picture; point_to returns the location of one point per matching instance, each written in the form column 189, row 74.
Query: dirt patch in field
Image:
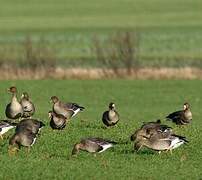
column 96, row 73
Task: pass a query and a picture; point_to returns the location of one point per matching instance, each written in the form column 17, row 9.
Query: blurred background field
column 169, row 32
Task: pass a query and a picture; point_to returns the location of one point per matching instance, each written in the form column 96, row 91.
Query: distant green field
column 169, row 30
column 137, row 101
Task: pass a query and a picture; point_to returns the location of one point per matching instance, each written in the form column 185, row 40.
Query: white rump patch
column 5, row 129
column 176, row 143
column 75, row 112
column 33, row 141
column 105, row 147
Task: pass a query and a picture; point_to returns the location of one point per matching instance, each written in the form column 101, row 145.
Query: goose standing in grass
column 110, row 117
column 5, row 126
column 28, row 106
column 92, row 145
column 32, row 125
column 159, row 143
column 181, row 117
column 150, row 128
column 24, row 138
column 57, row 121
column 14, row 109
column 66, row 109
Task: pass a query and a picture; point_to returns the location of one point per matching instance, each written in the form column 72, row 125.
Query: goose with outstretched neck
column 14, row 109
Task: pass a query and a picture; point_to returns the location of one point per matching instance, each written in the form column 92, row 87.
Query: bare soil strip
column 98, row 73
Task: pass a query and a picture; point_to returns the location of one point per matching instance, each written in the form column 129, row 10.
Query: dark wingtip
column 42, row 124
column 132, row 138
column 14, row 124
column 185, row 140
column 182, row 138
column 82, row 108
column 158, row 121
column 9, row 122
column 113, row 142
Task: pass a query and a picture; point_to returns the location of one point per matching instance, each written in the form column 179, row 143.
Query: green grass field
column 137, row 101
column 170, row 31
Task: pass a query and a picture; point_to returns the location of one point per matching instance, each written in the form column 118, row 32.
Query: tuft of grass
column 137, row 101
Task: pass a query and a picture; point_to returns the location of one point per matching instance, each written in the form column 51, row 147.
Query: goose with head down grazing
column 110, row 117
column 24, row 138
column 25, row 135
column 92, row 145
column 181, row 117
column 158, row 143
column 14, row 109
column 28, row 106
column 150, row 128
column 68, row 110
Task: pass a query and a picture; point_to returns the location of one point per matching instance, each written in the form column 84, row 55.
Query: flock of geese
column 152, row 135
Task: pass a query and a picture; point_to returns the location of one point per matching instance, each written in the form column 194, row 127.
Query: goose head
column 186, row 106
column 12, row 90
column 13, row 145
column 112, row 106
column 50, row 114
column 141, row 134
column 76, row 148
column 54, row 99
column 141, row 141
column 25, row 95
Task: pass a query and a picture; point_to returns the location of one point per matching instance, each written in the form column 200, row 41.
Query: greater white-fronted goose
column 14, row 109
column 28, row 106
column 182, row 117
column 32, row 125
column 24, row 138
column 159, row 143
column 110, row 117
column 57, row 121
column 93, row 145
column 66, row 109
column 5, row 126
column 150, row 128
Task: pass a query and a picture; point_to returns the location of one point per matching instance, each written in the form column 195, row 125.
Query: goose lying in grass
column 92, row 145
column 181, row 117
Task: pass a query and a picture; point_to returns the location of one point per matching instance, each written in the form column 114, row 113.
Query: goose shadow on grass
column 129, row 151
column 93, row 126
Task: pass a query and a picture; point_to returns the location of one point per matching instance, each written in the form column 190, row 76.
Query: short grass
column 137, row 101
column 170, row 31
